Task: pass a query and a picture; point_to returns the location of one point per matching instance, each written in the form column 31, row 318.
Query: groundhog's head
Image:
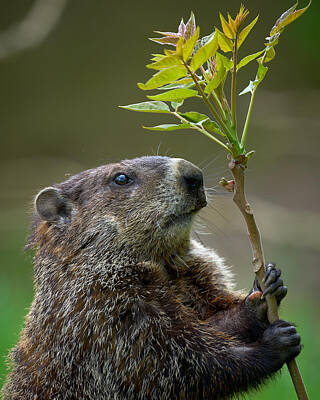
column 147, row 203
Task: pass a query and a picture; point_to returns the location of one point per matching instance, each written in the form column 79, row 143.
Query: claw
column 269, row 269
column 271, row 289
column 280, row 293
column 273, row 277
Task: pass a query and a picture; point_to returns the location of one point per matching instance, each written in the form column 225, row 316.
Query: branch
column 198, row 128
column 216, row 115
column 237, row 168
column 33, row 30
column 245, row 129
column 214, row 97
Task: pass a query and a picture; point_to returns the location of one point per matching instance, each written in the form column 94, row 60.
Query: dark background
column 59, row 115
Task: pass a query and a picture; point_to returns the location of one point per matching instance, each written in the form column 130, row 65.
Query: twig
column 237, row 168
column 198, row 128
column 207, row 101
column 246, row 125
column 214, row 97
column 217, row 103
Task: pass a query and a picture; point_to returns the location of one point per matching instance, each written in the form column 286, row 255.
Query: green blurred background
column 59, row 115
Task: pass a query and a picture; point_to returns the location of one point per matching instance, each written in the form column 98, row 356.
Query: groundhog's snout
column 191, row 178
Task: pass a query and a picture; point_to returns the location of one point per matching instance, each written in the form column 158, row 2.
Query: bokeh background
column 59, row 115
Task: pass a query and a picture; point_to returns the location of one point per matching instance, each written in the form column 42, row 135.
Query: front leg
column 247, row 318
column 273, row 287
column 180, row 358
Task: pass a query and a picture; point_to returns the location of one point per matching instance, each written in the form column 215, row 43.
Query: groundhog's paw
column 257, row 305
column 273, row 287
column 273, row 283
column 283, row 340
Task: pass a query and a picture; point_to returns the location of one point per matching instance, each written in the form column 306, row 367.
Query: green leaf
column 249, row 58
column 157, row 57
column 176, row 104
column 249, row 89
column 211, row 126
column 168, row 127
column 175, row 95
column 270, row 54
column 250, row 154
column 149, row 106
column 225, row 43
column 202, row 120
column 282, row 17
column 226, row 28
column 165, row 62
column 204, row 53
column 179, row 47
column 226, row 62
column 262, row 70
column 272, row 40
column 163, row 77
column 193, row 116
column 244, row 33
column 189, row 45
column 168, row 52
column 204, row 40
column 215, row 82
column 170, row 40
column 183, row 83
column 287, row 17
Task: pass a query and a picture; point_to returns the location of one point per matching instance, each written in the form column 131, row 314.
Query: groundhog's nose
column 192, row 181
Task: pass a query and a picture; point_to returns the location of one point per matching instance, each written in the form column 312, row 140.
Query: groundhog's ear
column 52, row 206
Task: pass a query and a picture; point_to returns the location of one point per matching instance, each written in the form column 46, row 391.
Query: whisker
column 197, row 233
column 158, row 149
column 218, row 212
column 212, row 161
column 217, row 173
column 167, row 152
column 212, row 187
column 201, row 163
column 215, row 194
column 211, row 193
column 198, row 237
column 215, row 226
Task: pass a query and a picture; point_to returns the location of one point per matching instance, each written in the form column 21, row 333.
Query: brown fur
column 126, row 305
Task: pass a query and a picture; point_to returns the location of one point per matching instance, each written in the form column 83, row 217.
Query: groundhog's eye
column 122, row 179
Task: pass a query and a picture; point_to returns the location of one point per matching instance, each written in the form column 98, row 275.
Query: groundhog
column 127, row 306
